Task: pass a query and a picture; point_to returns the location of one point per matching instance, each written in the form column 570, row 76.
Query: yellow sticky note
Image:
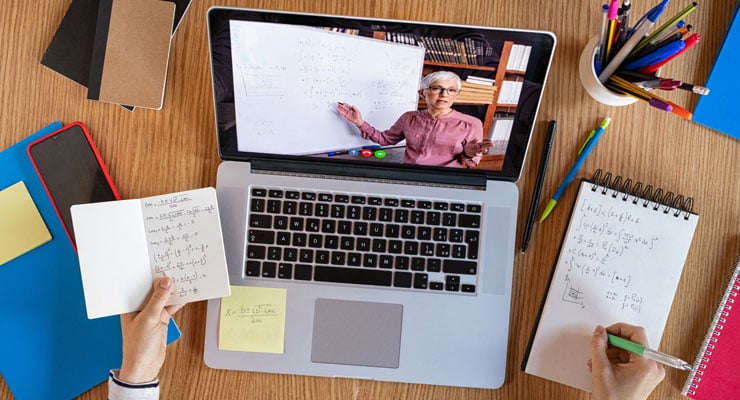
column 253, row 319
column 21, row 227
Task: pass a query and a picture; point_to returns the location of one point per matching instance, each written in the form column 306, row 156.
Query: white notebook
column 124, row 245
column 620, row 261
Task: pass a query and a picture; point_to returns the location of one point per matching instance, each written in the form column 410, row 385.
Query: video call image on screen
column 289, row 79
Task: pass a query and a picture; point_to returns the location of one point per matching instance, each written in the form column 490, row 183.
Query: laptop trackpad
column 356, row 333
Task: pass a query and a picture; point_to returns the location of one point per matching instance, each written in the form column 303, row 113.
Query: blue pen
column 656, row 56
column 593, row 137
column 638, row 33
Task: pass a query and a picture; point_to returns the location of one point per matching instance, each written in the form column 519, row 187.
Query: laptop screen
column 357, row 92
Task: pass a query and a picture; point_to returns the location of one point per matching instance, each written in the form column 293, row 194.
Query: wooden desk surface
column 154, row 152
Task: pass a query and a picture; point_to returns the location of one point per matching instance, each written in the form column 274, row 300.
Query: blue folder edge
column 49, row 349
column 715, row 109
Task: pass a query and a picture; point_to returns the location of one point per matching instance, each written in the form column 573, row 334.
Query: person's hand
column 145, row 335
column 619, row 374
column 475, row 147
column 350, row 113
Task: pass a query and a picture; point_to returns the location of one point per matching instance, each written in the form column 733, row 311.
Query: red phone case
column 97, row 156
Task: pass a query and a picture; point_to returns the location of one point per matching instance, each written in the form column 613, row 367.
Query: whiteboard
column 288, row 80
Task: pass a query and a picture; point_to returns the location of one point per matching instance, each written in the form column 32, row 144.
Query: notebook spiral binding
column 716, row 327
column 656, row 198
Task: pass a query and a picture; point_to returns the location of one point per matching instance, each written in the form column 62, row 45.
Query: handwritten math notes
column 253, row 319
column 125, row 245
column 619, row 262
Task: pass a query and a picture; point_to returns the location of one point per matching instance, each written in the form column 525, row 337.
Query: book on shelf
column 510, row 91
column 466, row 51
column 480, row 80
column 518, row 58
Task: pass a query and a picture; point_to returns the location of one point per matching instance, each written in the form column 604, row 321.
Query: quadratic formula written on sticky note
column 253, row 319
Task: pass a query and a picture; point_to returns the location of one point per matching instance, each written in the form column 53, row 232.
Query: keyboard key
column 252, row 268
column 326, row 197
column 434, row 265
column 459, row 251
column 313, row 225
column 322, row 257
column 403, row 262
column 402, row 279
column 456, row 235
column 417, row 264
column 315, row 241
column 375, row 277
column 434, row 218
column 362, row 244
column 426, row 249
column 441, row 206
column 344, row 227
column 467, row 288
column 269, row 270
column 274, row 206
column 417, row 217
column 354, row 259
column 459, row 267
column 261, row 237
column 459, row 207
column 390, row 202
column 306, row 256
column 322, row 210
column 442, row 250
column 290, row 254
column 260, row 221
column 331, row 242
column 341, row 198
column 436, row 285
column 395, row 246
column 385, row 261
column 424, row 233
column 354, row 212
column 469, row 221
column 338, row 257
column 449, row 219
column 256, row 252
column 285, row 271
column 408, row 203
column 369, row 213
column 274, row 253
column 358, row 199
column 296, row 224
column 299, row 239
column 376, row 230
column 292, row 194
column 401, row 216
column 290, row 207
column 385, row 214
column 360, row 228
column 452, row 283
column 440, row 234
column 424, row 205
column 474, row 208
column 303, row 272
column 281, row 222
column 421, row 281
column 258, row 205
column 375, row 201
column 408, row 232
column 328, row 226
column 275, row 193
column 392, row 231
column 308, row 196
column 305, row 209
column 259, row 192
column 370, row 260
column 410, row 248
column 283, row 238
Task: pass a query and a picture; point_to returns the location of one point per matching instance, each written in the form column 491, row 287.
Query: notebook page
column 619, row 262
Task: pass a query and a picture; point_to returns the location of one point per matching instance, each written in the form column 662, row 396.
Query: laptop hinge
column 464, row 178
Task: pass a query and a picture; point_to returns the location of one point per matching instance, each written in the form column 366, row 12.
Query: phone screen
column 71, row 171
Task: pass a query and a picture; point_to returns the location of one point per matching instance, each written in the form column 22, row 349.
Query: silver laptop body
column 380, row 332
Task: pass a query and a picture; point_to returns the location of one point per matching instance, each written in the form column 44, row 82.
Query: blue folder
column 715, row 109
column 48, row 347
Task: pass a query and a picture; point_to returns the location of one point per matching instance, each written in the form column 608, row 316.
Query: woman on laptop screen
column 437, row 135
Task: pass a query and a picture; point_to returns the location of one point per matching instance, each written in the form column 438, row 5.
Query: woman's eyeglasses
column 440, row 89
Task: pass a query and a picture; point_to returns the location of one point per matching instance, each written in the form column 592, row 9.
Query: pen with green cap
column 641, row 350
column 591, row 140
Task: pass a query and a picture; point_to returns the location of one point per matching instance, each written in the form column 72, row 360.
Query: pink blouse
column 431, row 141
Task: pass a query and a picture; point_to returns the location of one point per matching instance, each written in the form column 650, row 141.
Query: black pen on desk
column 538, row 184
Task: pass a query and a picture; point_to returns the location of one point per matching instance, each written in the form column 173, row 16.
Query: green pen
column 655, row 355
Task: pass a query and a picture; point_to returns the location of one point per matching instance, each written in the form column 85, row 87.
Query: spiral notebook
column 620, row 260
column 715, row 370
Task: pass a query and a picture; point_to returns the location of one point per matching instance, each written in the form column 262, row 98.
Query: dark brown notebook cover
column 131, row 52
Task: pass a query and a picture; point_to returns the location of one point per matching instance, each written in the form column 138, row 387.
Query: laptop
column 393, row 270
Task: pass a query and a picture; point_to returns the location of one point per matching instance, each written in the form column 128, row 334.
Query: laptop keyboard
column 359, row 239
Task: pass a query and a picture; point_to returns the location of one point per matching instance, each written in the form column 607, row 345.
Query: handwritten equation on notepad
column 179, row 233
column 602, row 243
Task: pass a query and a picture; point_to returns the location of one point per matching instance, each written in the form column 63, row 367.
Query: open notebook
column 620, row 261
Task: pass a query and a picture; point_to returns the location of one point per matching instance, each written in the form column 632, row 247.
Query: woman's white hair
column 438, row 76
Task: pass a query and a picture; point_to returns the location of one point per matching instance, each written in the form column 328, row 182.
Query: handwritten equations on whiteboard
column 288, row 80
column 619, row 261
column 126, row 245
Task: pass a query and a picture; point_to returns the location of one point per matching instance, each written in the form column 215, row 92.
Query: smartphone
column 71, row 170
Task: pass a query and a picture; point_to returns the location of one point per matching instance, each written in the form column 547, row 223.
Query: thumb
column 158, row 300
column 599, row 359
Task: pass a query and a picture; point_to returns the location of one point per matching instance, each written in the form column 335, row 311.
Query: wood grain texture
column 153, row 152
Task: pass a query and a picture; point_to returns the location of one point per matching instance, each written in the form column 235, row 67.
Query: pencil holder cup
column 590, row 80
